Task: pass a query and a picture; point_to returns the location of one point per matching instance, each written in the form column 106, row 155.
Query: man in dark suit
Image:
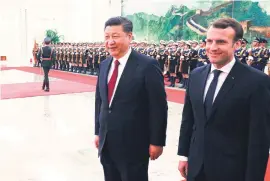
column 46, row 55
column 224, row 132
column 130, row 107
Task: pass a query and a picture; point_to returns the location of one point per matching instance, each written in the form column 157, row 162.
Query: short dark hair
column 119, row 20
column 224, row 23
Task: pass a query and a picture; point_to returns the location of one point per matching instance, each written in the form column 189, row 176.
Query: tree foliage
column 54, row 36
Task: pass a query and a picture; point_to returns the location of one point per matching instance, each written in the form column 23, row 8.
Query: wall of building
column 24, row 21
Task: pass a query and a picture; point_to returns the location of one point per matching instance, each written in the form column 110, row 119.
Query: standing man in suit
column 224, row 132
column 130, row 107
column 47, row 56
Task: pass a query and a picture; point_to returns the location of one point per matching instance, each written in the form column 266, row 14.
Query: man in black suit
column 130, row 107
column 46, row 55
column 224, row 132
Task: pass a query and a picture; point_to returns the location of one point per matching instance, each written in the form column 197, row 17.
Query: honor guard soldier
column 151, row 52
column 103, row 54
column 64, row 67
column 194, row 55
column 46, row 55
column 141, row 48
column 178, row 55
column 172, row 64
column 241, row 54
column 85, row 60
column 161, row 56
column 202, row 57
column 91, row 61
column 256, row 53
column 73, row 59
column 265, row 52
column 56, row 63
column 185, row 65
column 77, row 60
column 61, row 57
column 69, row 58
column 96, row 61
column 80, row 60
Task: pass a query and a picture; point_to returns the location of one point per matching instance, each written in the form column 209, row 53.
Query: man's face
column 117, row 41
column 263, row 44
column 202, row 44
column 220, row 46
column 255, row 44
column 194, row 45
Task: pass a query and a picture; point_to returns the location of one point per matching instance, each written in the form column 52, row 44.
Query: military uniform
column 46, row 55
column 202, row 57
column 161, row 55
column 241, row 54
column 173, row 59
column 185, row 65
column 265, row 53
column 185, row 68
column 257, row 56
column 193, row 59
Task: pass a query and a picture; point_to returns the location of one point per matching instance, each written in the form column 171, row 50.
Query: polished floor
column 49, row 136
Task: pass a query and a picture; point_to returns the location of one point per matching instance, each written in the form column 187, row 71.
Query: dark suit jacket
column 233, row 144
column 137, row 116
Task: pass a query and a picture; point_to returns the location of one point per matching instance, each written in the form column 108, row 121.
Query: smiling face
column 117, row 41
column 220, row 45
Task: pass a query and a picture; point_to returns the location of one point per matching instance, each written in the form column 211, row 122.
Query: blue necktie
column 208, row 102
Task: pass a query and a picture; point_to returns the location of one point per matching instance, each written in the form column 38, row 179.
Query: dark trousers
column 116, row 170
column 200, row 177
column 46, row 71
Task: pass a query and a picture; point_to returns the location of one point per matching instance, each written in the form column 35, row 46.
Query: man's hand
column 96, row 141
column 155, row 151
column 183, row 168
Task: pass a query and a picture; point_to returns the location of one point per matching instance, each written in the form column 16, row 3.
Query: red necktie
column 112, row 81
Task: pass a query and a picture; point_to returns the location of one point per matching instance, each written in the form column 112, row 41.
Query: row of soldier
column 176, row 59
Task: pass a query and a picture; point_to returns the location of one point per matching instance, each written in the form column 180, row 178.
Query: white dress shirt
column 221, row 79
column 123, row 62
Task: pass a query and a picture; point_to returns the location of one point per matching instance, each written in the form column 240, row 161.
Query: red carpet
column 31, row 89
column 267, row 176
column 174, row 95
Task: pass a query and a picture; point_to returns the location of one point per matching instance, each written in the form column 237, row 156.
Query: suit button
column 110, row 111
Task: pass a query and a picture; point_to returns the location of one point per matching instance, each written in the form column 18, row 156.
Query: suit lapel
column 104, row 78
column 226, row 87
column 126, row 77
column 201, row 86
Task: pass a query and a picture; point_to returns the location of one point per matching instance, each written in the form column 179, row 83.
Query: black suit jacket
column 137, row 116
column 233, row 144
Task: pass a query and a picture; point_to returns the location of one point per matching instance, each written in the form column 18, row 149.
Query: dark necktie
column 208, row 102
column 112, row 81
